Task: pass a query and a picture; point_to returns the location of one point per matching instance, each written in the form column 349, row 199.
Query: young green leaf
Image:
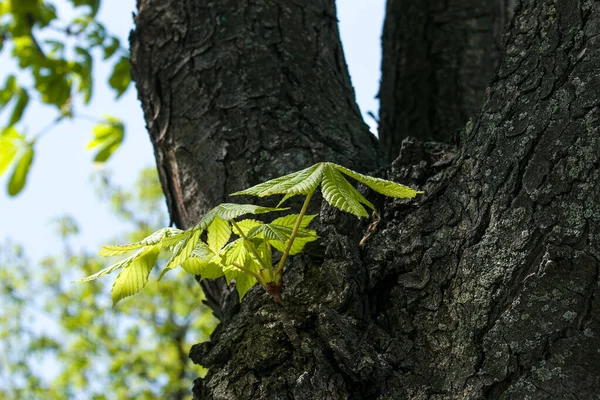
column 270, row 232
column 204, row 268
column 385, row 187
column 121, row 264
column 301, row 182
column 202, row 262
column 157, row 237
column 264, row 251
column 278, row 236
column 229, row 211
column 238, row 254
column 245, row 225
column 182, row 251
column 337, row 191
column 234, row 253
column 290, row 220
column 135, row 276
column 303, row 237
column 243, row 281
column 219, row 232
column 340, row 194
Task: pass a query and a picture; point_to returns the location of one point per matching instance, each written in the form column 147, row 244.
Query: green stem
column 279, row 270
column 246, row 270
column 260, row 260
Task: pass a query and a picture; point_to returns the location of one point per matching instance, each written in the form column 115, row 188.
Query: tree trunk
column 487, row 286
column 235, row 93
column 438, row 59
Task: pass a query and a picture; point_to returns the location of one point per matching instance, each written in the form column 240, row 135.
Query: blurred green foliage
column 55, row 58
column 62, row 340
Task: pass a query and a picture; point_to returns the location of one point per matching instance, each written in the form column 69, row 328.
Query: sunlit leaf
column 301, row 182
column 10, row 141
column 134, row 276
column 337, row 191
column 290, row 220
column 245, row 225
column 229, row 211
column 157, row 237
column 108, row 136
column 385, row 187
column 340, row 194
column 243, row 283
column 182, row 251
column 19, row 176
column 121, row 264
column 219, row 232
column 120, row 78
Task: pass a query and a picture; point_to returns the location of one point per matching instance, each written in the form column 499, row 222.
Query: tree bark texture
column 237, row 92
column 486, row 287
column 438, row 59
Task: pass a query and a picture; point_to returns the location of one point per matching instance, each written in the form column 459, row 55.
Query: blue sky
column 59, row 181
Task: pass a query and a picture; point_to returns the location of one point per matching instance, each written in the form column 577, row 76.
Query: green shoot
column 247, row 259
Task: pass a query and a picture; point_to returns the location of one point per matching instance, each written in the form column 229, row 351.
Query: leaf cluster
column 242, row 250
column 56, row 63
column 59, row 341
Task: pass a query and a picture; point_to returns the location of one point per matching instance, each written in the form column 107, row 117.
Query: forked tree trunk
column 439, row 57
column 485, row 287
column 235, row 93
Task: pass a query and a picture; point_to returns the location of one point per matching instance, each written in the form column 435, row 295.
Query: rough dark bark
column 236, row 92
column 486, row 287
column 438, row 59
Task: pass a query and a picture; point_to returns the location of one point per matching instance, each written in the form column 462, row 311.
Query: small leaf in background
column 84, row 70
column 8, row 91
column 108, row 136
column 93, row 4
column 10, row 142
column 20, row 105
column 121, row 76
column 19, row 176
column 111, row 48
column 54, row 86
column 135, row 276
